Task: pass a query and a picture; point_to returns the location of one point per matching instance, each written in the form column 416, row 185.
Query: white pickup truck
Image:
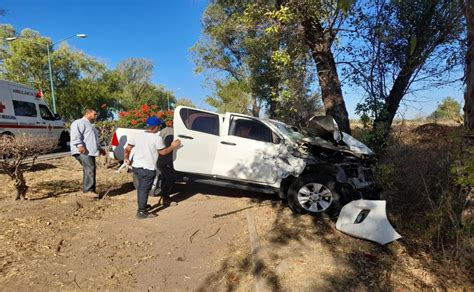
column 317, row 169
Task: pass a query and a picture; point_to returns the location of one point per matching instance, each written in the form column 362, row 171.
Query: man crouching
column 147, row 146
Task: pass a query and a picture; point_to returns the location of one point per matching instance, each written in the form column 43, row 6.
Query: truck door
column 198, row 131
column 247, row 150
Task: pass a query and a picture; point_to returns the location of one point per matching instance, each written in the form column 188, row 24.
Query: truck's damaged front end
column 353, row 159
column 326, row 151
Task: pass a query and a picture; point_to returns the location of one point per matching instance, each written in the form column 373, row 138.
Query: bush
column 16, row 151
column 424, row 200
column 136, row 118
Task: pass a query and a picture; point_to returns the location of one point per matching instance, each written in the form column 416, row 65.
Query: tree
column 135, row 77
column 320, row 22
column 185, row 102
column 230, row 96
column 449, row 109
column 469, row 74
column 17, row 150
column 262, row 66
column 398, row 47
column 80, row 81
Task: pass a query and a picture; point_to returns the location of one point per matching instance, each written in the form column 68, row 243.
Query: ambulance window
column 24, row 109
column 45, row 112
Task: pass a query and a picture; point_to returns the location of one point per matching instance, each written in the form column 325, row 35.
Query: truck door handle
column 185, row 137
column 228, row 143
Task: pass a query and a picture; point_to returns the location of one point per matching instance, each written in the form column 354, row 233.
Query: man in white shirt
column 147, row 146
column 85, row 148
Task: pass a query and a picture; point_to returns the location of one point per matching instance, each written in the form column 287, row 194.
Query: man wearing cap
column 147, row 147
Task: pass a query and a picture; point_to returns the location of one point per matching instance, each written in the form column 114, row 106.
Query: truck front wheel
column 314, row 194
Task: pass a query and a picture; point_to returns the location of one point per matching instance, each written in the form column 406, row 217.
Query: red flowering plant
column 136, row 118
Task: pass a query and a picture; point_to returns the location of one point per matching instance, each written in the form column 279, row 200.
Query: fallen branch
column 60, row 243
column 75, row 281
column 192, row 235
column 231, row 212
column 107, row 192
column 217, row 231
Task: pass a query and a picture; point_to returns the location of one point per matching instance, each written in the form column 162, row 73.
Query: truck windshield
column 288, row 131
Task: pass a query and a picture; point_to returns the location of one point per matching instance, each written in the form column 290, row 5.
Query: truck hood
column 322, row 131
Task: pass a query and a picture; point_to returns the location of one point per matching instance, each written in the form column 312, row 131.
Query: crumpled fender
column 287, row 164
column 368, row 220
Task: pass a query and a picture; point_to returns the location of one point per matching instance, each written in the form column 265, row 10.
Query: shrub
column 136, row 118
column 19, row 155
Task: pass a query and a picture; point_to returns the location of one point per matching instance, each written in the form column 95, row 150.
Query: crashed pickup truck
column 317, row 169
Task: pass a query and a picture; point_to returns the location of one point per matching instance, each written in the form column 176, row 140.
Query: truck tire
column 314, row 194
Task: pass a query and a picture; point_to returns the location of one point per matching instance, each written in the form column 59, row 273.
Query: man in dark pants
column 165, row 165
column 85, row 148
column 147, row 147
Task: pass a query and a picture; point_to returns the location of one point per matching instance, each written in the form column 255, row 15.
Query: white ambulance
column 22, row 110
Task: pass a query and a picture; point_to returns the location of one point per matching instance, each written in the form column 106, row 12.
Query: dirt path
column 59, row 240
column 69, row 242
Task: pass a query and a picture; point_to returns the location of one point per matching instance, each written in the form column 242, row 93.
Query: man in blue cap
column 147, row 147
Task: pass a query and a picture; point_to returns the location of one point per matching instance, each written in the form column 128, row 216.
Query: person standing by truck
column 85, row 148
column 165, row 165
column 147, row 147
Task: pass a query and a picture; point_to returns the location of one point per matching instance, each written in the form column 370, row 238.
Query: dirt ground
column 59, row 240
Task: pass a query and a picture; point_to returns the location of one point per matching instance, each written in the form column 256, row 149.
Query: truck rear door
column 199, row 132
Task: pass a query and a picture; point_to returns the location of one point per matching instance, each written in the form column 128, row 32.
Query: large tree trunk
column 255, row 107
column 320, row 42
column 384, row 121
column 469, row 94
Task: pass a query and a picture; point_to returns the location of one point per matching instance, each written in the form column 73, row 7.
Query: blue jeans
column 145, row 183
column 88, row 171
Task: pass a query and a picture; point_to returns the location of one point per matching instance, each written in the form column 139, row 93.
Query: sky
column 158, row 30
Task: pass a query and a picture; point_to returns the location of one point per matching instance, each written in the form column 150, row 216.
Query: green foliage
column 464, row 171
column 398, row 47
column 185, row 102
column 449, row 109
column 230, row 96
column 80, row 81
column 264, row 63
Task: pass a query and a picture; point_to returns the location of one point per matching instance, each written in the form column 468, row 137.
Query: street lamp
column 48, row 47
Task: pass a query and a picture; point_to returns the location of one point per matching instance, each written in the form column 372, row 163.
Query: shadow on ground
column 55, row 188
column 41, row 166
column 366, row 265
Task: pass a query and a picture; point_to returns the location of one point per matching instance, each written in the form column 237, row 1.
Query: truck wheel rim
column 315, row 197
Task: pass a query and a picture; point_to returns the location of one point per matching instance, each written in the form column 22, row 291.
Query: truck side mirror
column 57, row 117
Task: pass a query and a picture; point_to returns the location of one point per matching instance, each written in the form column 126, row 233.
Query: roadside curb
column 257, row 259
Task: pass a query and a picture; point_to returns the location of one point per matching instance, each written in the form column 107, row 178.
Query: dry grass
column 423, row 202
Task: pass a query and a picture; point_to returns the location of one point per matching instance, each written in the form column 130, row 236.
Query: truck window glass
column 200, row 121
column 24, row 109
column 250, row 129
column 45, row 112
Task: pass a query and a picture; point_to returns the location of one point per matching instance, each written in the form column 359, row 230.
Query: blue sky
column 161, row 31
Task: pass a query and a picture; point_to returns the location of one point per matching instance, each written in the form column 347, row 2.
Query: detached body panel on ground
column 22, row 110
